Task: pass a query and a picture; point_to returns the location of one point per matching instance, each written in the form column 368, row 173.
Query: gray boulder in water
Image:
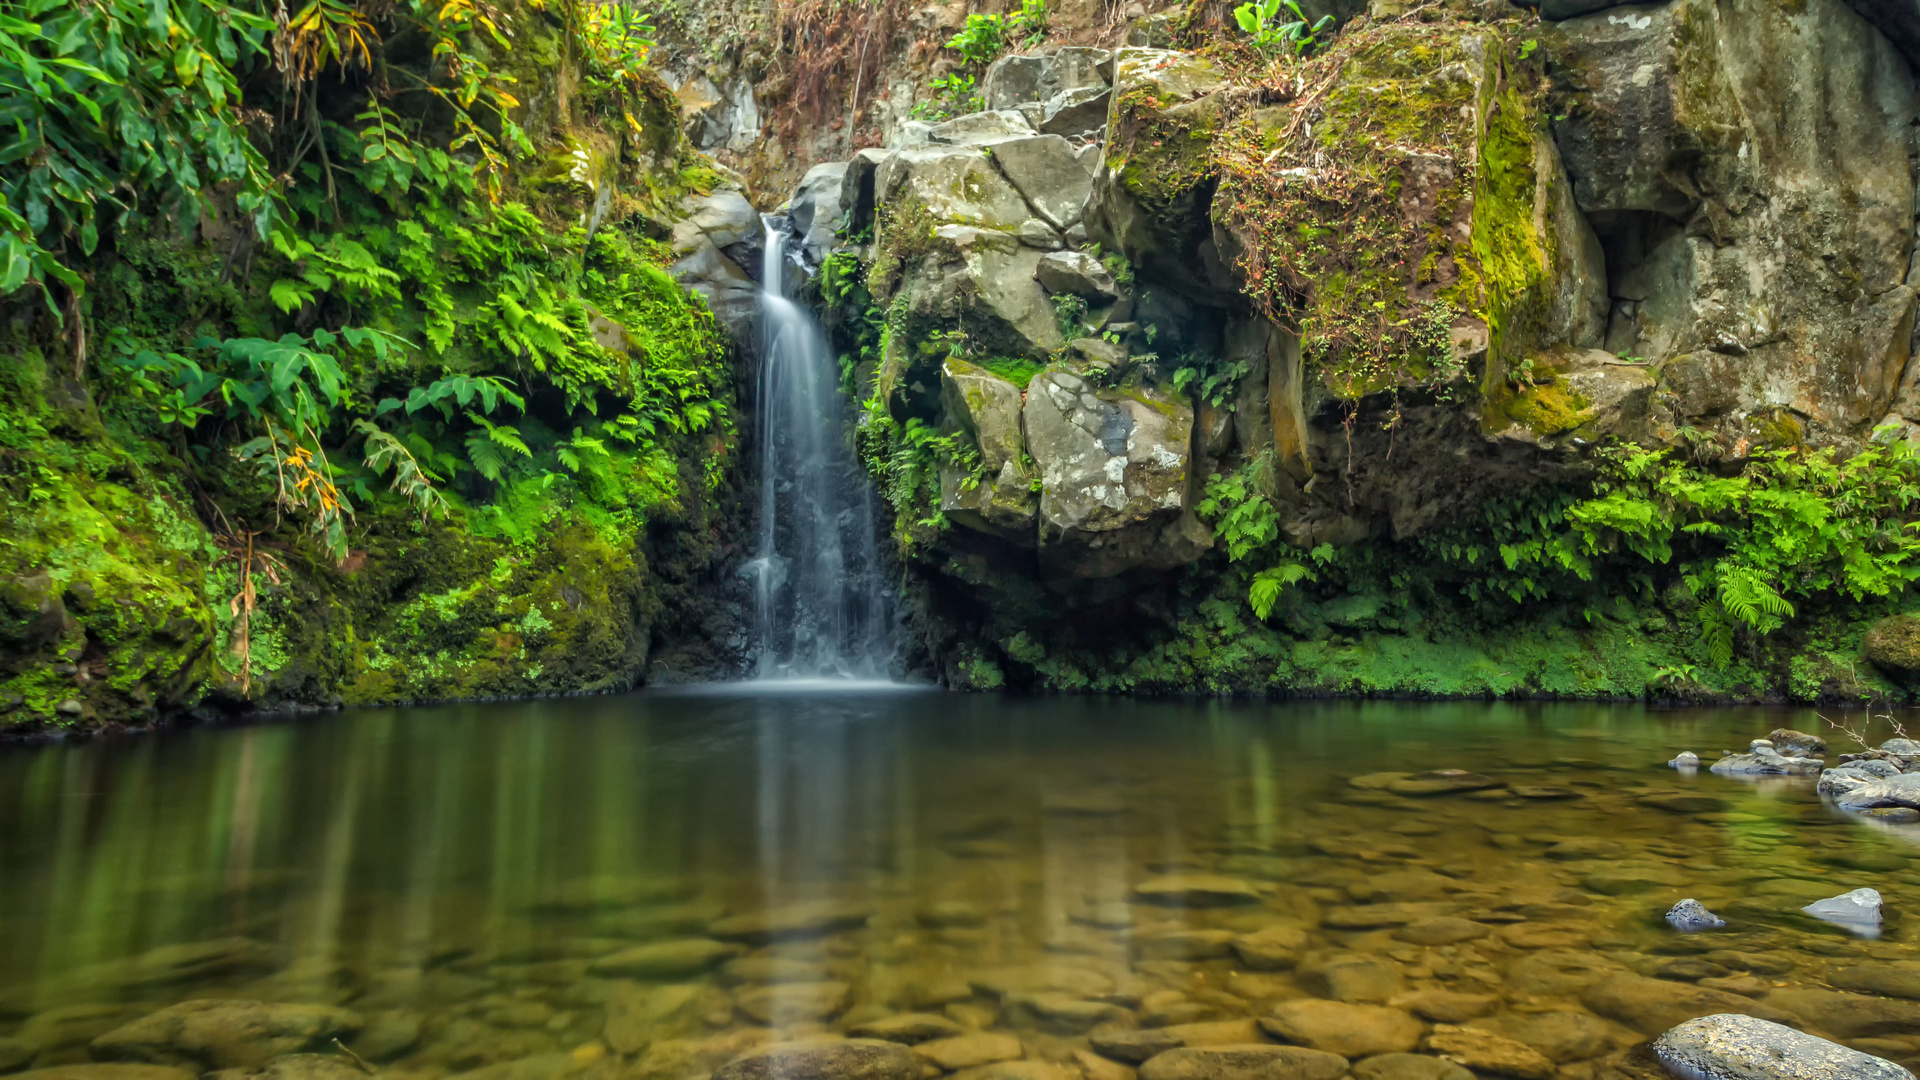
column 1902, row 790
column 1728, row 1046
column 1690, row 915
column 1858, row 909
column 1763, row 760
column 1685, row 759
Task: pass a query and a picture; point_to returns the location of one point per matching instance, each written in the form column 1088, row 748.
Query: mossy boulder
column 1893, row 644
column 1150, row 200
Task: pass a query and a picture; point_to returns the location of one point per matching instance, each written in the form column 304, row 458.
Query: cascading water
column 820, row 606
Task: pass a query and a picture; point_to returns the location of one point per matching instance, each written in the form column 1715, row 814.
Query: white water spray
column 820, row 607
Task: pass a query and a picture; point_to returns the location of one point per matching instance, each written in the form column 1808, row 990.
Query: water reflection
column 714, row 868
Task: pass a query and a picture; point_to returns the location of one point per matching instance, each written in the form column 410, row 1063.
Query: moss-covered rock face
column 1893, row 644
column 566, row 406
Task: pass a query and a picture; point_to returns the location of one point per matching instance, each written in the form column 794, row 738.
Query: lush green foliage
column 116, row 107
column 1275, row 25
column 1213, row 379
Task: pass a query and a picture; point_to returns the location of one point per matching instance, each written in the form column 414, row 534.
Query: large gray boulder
column 987, row 407
column 982, row 280
column 951, row 185
column 1730, row 1046
column 1078, row 273
column 1012, row 81
column 1045, row 170
column 1894, row 791
column 815, row 209
column 710, row 241
column 1113, row 472
column 1744, row 164
column 974, row 129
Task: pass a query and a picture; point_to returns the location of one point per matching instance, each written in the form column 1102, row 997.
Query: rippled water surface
column 646, row 885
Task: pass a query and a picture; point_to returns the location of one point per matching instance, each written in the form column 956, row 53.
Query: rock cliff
column 1402, row 296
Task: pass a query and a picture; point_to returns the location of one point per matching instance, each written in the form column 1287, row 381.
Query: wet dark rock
column 1797, row 743
column 225, row 1034
column 1251, row 1062
column 1690, row 915
column 13, row 1053
column 1339, row 1028
column 1735, row 1047
column 849, row 1059
column 1762, row 759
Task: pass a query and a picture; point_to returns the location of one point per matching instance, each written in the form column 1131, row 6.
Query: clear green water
column 464, row 873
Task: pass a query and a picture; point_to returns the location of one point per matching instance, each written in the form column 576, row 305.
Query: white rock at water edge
column 1729, row 1046
column 1686, row 759
column 1858, row 910
column 1689, row 915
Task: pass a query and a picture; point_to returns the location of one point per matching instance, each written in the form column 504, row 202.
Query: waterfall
column 820, row 606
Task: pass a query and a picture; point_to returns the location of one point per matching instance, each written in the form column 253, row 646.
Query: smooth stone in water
column 1196, row 890
column 1735, row 1047
column 1561, row 1036
column 1892, row 978
column 1095, row 1067
column 907, row 1028
column 1680, row 802
column 840, row 1059
column 1184, row 945
column 1445, row 930
column 1690, row 915
column 676, row 958
column 1797, row 743
column 787, row 1003
column 1275, row 948
column 225, row 1034
column 1483, row 1051
column 1651, row 1006
column 967, row 1051
column 792, row 921
column 1134, row 1046
column 1016, row 1070
column 1901, row 747
column 1686, row 759
column 106, row 1072
column 1858, row 911
column 1849, row 1016
column 1623, row 879
column 1446, row 1006
column 1257, row 1061
column 1902, row 792
column 1348, row 1030
column 1409, row 1067
column 1443, row 782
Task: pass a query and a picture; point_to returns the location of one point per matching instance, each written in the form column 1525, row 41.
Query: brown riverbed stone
column 1256, row 1062
column 1341, row 1028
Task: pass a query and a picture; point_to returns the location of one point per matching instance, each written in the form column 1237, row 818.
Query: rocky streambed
column 915, row 888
